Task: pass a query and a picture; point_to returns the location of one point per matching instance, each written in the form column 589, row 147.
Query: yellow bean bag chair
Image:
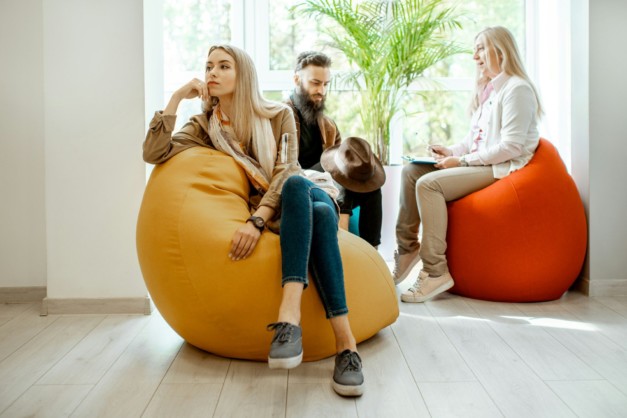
column 192, row 205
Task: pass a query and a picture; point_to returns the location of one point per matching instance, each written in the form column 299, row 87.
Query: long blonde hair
column 502, row 41
column 248, row 102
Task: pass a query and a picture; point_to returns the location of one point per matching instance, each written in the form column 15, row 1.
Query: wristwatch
column 258, row 222
column 462, row 161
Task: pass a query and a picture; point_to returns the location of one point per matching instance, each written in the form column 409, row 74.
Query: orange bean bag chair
column 523, row 238
column 192, row 205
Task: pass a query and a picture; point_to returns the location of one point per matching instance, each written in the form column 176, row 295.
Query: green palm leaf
column 390, row 43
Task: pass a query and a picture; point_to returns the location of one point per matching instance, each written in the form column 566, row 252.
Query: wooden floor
column 451, row 357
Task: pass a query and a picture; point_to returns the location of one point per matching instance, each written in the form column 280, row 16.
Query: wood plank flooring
column 450, row 357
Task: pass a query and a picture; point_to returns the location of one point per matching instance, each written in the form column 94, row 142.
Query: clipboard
column 419, row 160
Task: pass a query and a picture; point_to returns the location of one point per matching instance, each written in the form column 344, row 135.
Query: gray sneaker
column 348, row 380
column 286, row 350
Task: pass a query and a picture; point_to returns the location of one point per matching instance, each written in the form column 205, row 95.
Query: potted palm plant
column 389, row 44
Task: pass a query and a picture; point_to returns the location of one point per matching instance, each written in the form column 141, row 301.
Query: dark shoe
column 348, row 380
column 286, row 350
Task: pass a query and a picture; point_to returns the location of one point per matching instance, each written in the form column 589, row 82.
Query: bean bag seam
column 181, row 252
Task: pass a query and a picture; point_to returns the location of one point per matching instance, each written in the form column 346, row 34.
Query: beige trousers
column 424, row 193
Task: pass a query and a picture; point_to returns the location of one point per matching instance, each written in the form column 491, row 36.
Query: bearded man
column 317, row 133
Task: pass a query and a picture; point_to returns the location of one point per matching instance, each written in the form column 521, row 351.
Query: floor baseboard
column 594, row 288
column 140, row 306
column 22, row 294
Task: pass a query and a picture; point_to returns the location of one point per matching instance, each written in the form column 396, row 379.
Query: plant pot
column 390, row 192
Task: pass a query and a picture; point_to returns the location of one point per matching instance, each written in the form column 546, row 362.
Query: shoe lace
column 283, row 332
column 352, row 362
column 415, row 288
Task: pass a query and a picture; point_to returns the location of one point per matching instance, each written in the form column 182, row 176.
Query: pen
column 433, row 150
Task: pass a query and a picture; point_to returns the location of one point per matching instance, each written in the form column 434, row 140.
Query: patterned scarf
column 263, row 147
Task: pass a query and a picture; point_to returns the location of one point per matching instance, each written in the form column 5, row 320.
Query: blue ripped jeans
column 309, row 225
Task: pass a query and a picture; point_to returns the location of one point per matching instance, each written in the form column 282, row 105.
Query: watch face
column 259, row 222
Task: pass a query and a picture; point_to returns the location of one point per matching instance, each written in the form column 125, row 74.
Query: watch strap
column 258, row 222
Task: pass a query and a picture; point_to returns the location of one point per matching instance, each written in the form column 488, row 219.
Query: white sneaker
column 427, row 287
column 403, row 264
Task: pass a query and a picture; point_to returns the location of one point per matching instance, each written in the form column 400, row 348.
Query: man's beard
column 309, row 109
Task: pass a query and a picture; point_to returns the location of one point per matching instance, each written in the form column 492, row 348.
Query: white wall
column 580, row 107
column 94, row 127
column 608, row 145
column 22, row 207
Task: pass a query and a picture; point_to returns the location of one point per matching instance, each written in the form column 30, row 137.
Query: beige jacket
column 161, row 145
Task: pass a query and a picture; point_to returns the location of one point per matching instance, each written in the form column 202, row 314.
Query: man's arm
column 338, row 137
column 330, row 133
column 344, row 221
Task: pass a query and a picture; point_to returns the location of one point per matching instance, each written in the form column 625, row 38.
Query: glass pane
column 434, row 117
column 277, row 96
column 190, row 28
column 295, row 34
column 343, row 107
column 478, row 15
